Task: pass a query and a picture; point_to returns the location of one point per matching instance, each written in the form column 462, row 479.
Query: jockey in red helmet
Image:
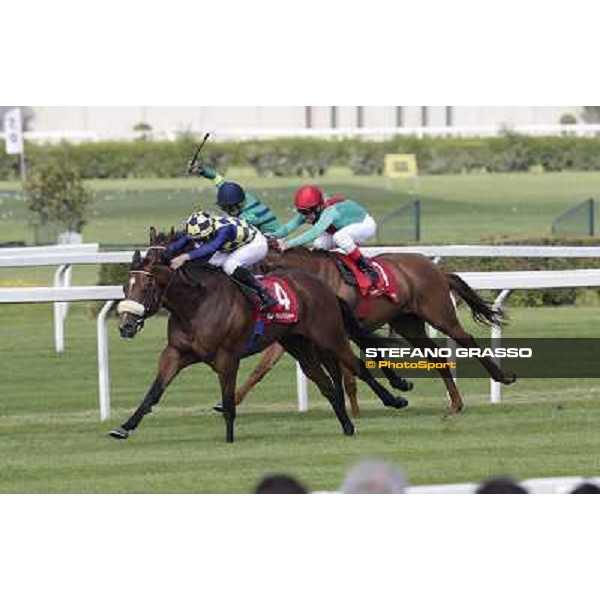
column 337, row 222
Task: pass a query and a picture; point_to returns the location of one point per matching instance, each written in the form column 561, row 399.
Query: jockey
column 227, row 242
column 234, row 201
column 336, row 222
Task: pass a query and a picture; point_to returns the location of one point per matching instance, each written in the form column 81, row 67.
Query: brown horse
column 212, row 321
column 425, row 297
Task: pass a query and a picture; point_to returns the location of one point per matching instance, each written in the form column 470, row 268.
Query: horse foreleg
column 412, row 328
column 351, row 391
column 306, row 355
column 170, row 364
column 227, row 366
column 269, row 359
column 356, row 366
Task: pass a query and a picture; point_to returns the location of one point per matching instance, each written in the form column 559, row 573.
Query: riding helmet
column 230, row 194
column 308, row 198
column 200, row 225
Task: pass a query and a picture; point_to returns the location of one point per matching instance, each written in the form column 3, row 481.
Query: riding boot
column 245, row 277
column 365, row 266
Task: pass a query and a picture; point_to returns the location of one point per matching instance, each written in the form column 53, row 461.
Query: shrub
column 313, row 157
column 56, row 195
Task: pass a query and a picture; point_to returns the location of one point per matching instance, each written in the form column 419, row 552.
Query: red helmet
column 309, row 198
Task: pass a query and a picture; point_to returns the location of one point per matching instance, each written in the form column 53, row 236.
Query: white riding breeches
column 347, row 238
column 244, row 256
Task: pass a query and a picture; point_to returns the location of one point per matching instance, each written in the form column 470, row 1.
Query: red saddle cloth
column 286, row 311
column 387, row 285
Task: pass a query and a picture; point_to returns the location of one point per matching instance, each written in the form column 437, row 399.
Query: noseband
column 133, row 307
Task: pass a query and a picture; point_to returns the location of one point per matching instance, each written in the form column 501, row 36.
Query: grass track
column 50, row 440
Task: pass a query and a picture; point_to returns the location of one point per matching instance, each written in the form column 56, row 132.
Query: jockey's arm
column 290, row 226
column 316, row 230
column 224, row 235
column 212, row 175
column 174, row 248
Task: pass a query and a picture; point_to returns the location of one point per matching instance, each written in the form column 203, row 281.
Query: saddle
column 388, row 285
column 286, row 310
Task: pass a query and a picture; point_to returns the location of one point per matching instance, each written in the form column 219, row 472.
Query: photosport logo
column 528, row 358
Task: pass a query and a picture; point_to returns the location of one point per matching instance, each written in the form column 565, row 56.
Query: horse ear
column 172, row 233
column 137, row 259
column 153, row 234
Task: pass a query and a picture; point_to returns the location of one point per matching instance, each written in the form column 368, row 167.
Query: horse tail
column 358, row 335
column 483, row 312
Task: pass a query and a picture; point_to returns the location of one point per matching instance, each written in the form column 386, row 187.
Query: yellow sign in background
column 401, row 166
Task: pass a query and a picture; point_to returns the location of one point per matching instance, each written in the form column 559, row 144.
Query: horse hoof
column 509, row 379
column 218, row 408
column 119, row 434
column 349, row 430
column 405, row 386
column 398, row 403
column 409, row 386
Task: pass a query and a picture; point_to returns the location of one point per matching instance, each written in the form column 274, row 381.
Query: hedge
column 312, row 157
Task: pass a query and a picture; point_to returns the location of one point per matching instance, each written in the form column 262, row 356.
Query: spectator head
column 280, row 484
column 501, row 485
column 586, row 488
column 374, row 477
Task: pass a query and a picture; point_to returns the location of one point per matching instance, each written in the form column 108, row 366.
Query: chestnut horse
column 425, row 297
column 212, row 321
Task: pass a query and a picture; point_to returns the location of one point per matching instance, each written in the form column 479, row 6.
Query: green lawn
column 51, row 440
column 456, row 208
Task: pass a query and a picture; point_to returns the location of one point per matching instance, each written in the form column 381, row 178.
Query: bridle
column 139, row 309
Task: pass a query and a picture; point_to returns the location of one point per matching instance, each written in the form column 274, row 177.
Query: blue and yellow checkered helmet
column 200, row 225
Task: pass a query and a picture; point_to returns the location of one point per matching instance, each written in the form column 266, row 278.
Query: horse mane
column 303, row 251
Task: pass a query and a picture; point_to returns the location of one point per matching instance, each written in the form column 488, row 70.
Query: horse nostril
column 127, row 330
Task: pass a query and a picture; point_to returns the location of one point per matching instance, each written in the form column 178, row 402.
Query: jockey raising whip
column 236, row 202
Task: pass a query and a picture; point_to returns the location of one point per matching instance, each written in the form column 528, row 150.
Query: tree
column 56, row 194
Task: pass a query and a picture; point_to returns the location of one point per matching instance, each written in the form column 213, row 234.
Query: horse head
column 148, row 278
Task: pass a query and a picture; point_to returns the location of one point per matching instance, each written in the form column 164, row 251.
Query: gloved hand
column 202, row 171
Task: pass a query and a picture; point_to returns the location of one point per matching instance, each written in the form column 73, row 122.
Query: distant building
column 119, row 121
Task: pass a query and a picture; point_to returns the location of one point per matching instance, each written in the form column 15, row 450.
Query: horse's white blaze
column 132, row 307
column 131, row 283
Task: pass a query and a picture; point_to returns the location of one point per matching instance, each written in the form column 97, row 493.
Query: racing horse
column 212, row 321
column 424, row 296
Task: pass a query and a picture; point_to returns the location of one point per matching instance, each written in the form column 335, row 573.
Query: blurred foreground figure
column 374, row 477
column 586, row 488
column 501, row 485
column 280, row 484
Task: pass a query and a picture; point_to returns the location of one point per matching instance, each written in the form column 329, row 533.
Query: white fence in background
column 65, row 257
column 554, row 485
column 76, row 136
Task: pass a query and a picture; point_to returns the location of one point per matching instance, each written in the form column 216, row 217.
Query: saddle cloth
column 286, row 310
column 387, row 286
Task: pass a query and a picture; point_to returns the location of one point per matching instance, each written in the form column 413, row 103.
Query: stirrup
column 266, row 301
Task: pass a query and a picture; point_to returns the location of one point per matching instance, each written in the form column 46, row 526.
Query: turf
column 456, row 208
column 51, row 440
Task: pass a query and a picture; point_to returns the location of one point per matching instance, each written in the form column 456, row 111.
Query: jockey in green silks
column 234, row 201
column 336, row 222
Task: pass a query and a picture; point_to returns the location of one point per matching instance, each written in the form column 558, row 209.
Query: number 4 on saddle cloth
column 285, row 312
column 388, row 284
